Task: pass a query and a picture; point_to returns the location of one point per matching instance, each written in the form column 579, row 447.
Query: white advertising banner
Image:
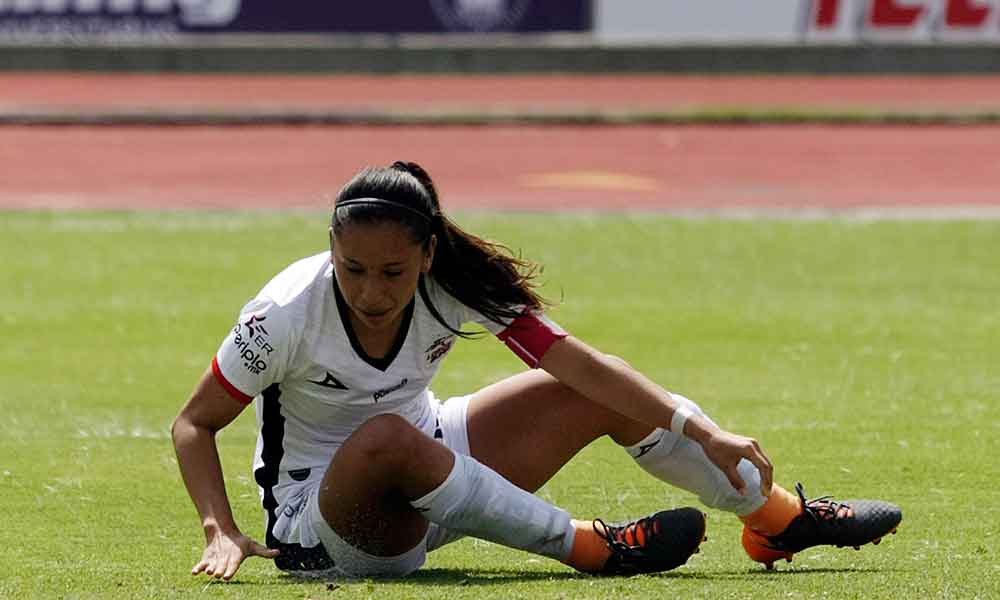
column 790, row 21
column 702, row 20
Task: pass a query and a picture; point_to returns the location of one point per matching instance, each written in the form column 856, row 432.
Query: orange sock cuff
column 771, row 519
column 590, row 550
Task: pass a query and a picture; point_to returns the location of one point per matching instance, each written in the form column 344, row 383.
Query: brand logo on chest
column 383, row 393
column 329, row 382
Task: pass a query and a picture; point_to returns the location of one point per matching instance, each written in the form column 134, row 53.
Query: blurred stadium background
column 618, row 78
column 503, row 35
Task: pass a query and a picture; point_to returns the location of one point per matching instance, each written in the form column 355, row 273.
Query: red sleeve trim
column 235, row 393
column 530, row 336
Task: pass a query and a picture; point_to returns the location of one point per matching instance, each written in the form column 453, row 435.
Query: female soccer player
column 362, row 470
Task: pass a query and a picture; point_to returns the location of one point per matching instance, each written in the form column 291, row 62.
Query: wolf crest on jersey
column 439, row 348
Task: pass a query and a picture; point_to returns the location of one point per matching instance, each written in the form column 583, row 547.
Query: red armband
column 530, row 336
column 235, row 393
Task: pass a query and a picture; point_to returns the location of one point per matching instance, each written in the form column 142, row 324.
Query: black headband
column 381, row 202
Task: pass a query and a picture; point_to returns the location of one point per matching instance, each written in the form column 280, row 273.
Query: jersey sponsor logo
column 331, row 382
column 438, row 348
column 255, row 325
column 383, row 393
column 253, row 346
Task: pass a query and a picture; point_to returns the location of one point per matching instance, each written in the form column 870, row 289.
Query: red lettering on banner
column 919, row 18
column 826, row 13
column 965, row 13
column 890, row 13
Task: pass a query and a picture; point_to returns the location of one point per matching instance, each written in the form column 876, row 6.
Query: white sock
column 681, row 462
column 475, row 500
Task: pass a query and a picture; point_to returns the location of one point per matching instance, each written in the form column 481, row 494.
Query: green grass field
column 864, row 355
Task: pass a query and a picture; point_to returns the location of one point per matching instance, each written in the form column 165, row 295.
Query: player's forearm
column 201, row 469
column 629, row 389
column 611, row 382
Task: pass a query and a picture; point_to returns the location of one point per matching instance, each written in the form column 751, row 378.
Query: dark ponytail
column 482, row 275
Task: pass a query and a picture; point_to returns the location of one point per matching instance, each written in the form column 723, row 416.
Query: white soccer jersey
column 294, row 350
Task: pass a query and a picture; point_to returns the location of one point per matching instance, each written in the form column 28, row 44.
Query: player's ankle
column 590, row 550
column 777, row 513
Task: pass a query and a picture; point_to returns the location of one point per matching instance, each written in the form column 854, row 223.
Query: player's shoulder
column 439, row 293
column 287, row 297
column 442, row 300
column 298, row 280
column 456, row 312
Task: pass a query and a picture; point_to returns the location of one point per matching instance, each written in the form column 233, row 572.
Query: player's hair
column 483, row 275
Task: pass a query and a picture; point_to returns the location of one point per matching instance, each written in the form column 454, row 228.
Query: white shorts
column 333, row 555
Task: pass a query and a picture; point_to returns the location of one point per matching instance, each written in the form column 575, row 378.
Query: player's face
column 378, row 268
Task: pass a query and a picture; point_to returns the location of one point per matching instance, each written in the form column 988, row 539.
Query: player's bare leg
column 528, row 426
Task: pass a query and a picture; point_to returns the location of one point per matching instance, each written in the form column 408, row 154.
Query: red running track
column 512, row 168
column 426, row 92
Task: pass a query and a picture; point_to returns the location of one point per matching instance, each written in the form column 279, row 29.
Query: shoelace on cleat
column 822, row 510
column 618, row 537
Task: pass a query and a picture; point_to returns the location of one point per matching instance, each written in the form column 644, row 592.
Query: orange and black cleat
column 652, row 544
column 824, row 521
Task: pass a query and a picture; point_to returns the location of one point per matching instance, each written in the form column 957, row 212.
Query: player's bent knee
column 385, row 438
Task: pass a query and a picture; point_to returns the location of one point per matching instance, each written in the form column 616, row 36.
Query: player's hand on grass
column 727, row 449
column 225, row 552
